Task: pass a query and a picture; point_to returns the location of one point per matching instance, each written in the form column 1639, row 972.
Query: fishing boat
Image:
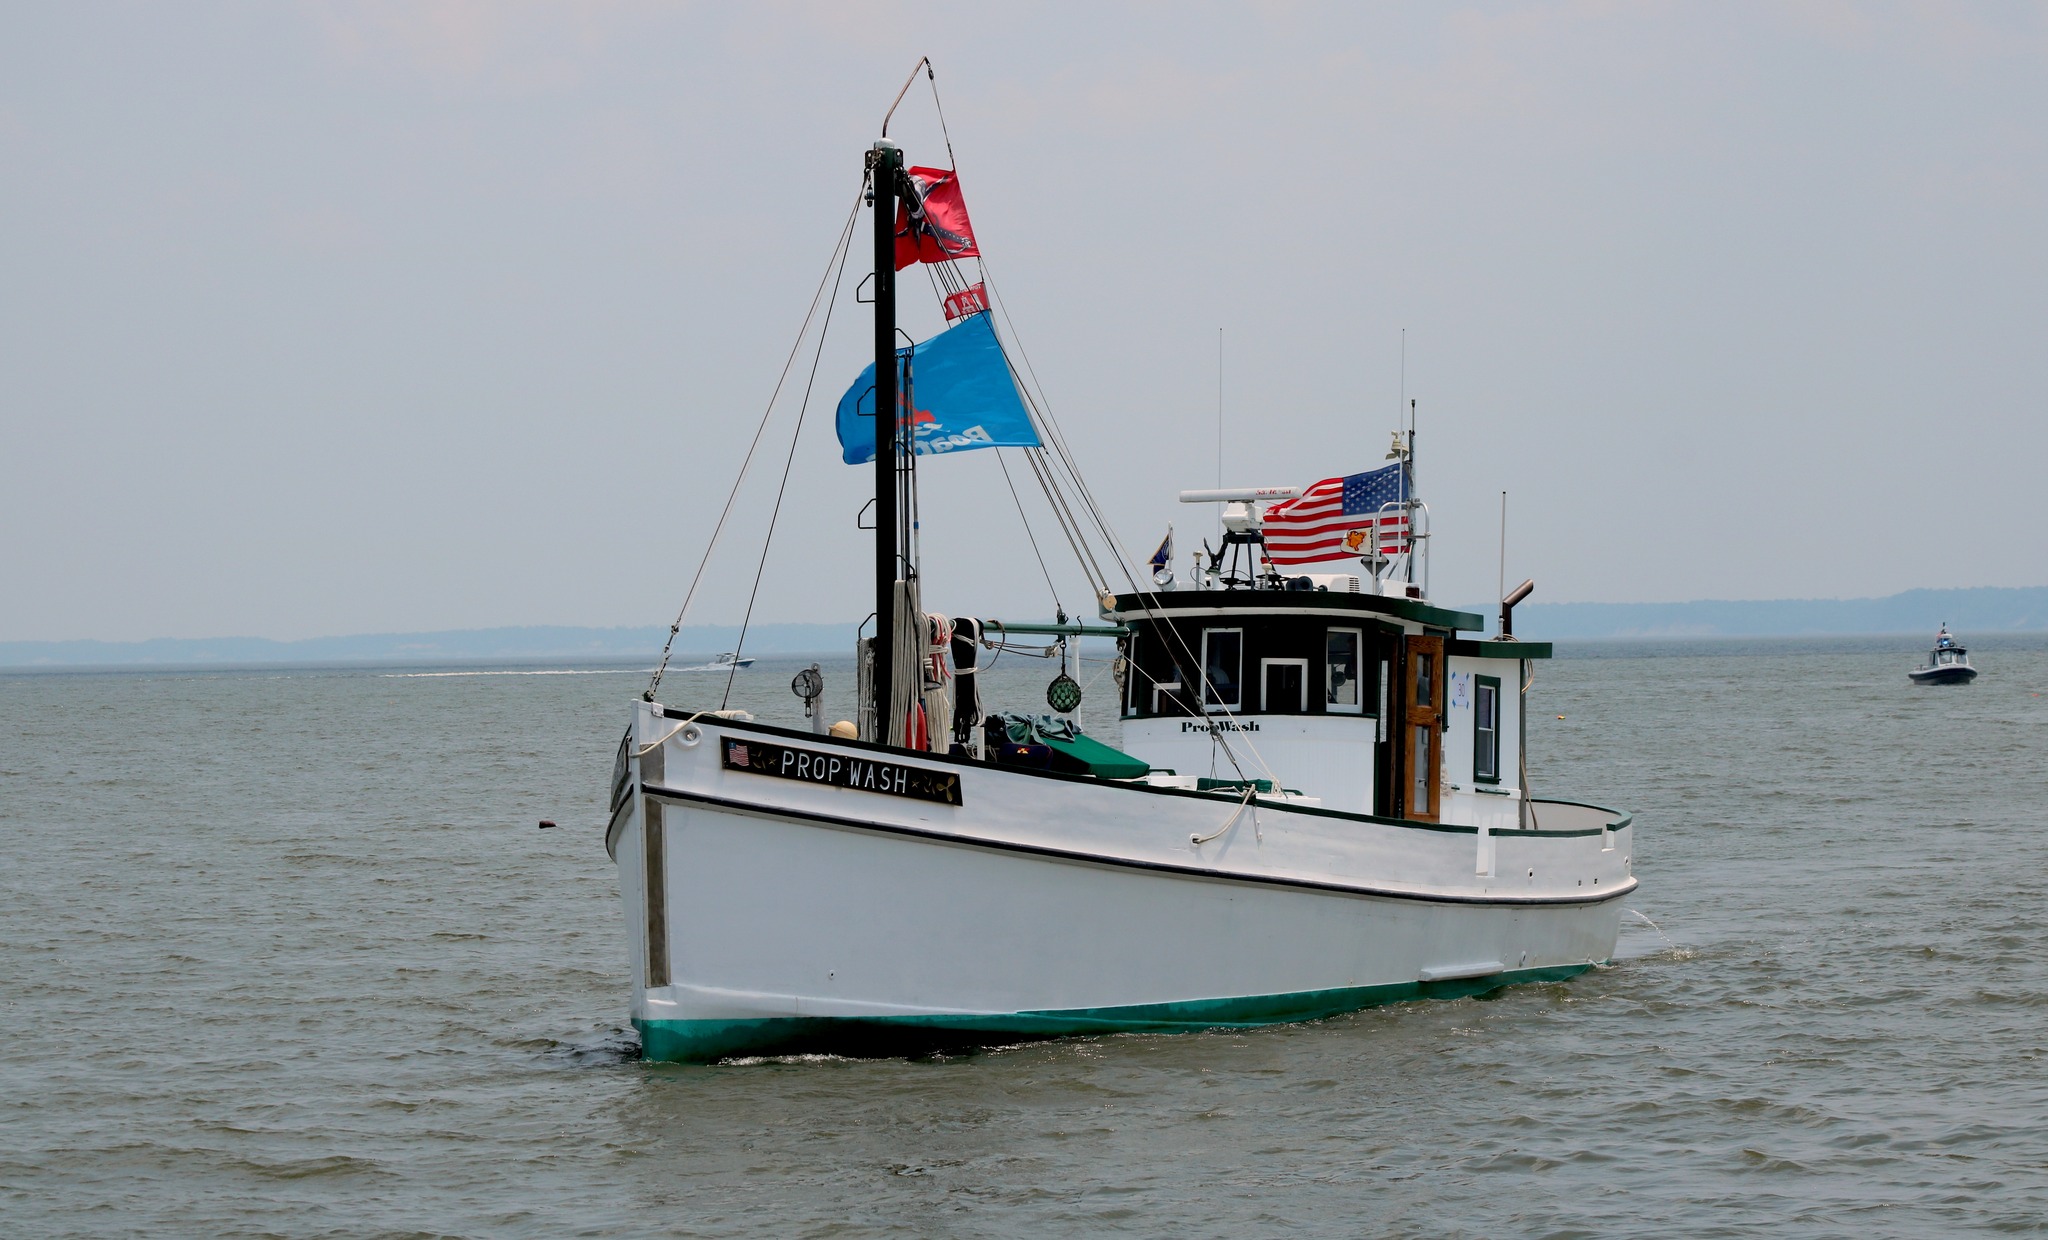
column 729, row 661
column 1319, row 799
column 1947, row 664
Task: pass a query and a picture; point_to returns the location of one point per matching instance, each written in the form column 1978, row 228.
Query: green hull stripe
column 704, row 1041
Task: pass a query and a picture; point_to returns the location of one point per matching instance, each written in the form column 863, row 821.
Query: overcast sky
column 342, row 318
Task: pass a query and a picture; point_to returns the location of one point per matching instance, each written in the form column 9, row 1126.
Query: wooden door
column 1422, row 731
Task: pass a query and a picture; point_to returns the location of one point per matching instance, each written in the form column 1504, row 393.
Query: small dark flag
column 1164, row 556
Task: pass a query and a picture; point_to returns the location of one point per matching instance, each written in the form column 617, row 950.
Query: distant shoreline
column 522, row 644
column 1974, row 614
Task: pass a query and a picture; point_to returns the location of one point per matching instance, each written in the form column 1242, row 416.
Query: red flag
column 932, row 226
column 973, row 300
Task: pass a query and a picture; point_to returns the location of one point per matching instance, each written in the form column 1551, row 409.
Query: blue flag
column 961, row 397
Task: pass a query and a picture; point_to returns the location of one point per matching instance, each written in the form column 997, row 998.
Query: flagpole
column 885, row 165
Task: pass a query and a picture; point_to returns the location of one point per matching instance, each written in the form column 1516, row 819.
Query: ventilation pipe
column 1507, row 606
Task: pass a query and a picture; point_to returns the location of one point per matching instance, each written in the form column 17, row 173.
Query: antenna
column 1219, row 423
column 1407, row 476
column 924, row 63
column 1408, row 482
column 1503, row 587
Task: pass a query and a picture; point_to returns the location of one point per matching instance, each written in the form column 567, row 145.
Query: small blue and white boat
column 726, row 662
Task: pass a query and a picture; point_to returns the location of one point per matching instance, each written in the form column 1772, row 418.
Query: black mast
column 885, row 166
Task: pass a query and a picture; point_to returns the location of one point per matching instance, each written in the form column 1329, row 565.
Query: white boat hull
column 785, row 914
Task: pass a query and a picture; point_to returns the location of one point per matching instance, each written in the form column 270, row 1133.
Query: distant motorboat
column 723, row 663
column 1947, row 664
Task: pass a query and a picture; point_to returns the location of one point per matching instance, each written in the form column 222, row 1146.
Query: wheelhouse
column 1367, row 703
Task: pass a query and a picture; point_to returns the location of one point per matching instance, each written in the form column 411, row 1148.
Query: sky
column 339, row 318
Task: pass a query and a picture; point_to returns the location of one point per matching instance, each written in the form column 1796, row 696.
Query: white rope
column 1249, row 791
column 651, row 746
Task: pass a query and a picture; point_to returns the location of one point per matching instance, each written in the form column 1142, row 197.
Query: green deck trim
column 707, row 1041
column 1495, row 648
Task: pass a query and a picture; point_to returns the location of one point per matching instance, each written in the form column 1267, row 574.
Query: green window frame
column 1486, row 729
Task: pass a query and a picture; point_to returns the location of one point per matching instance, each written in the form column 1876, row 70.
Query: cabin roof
column 1284, row 602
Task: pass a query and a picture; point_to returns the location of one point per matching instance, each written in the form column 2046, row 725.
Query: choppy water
column 282, row 953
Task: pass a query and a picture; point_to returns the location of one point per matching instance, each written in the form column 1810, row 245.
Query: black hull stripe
column 1126, row 863
column 612, row 828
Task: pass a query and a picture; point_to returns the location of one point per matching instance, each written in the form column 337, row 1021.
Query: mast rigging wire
column 1046, row 467
column 924, row 63
column 1040, row 407
column 668, row 646
column 768, row 540
column 1030, row 534
column 1077, row 538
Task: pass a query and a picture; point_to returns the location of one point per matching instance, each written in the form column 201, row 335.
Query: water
column 282, row 953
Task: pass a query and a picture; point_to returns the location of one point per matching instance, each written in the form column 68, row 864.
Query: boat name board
column 840, row 770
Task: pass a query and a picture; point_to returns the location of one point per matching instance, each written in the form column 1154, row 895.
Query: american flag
column 1337, row 519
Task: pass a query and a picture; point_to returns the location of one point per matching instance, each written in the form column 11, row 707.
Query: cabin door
column 1422, row 731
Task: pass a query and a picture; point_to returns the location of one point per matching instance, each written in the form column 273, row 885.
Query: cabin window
column 1223, row 668
column 1425, row 680
column 1486, row 729
column 1166, row 698
column 1340, row 672
column 1283, row 686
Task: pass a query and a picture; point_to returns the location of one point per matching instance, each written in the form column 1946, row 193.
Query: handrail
column 1060, row 630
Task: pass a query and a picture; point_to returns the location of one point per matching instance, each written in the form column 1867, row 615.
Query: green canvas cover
column 1084, row 755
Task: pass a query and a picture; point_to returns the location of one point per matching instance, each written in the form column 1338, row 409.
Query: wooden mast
column 885, row 166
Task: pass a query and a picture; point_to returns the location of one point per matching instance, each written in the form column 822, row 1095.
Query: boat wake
column 567, row 671
column 607, row 1049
